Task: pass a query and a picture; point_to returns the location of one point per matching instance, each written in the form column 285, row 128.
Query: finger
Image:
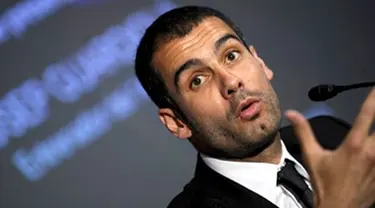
column 370, row 146
column 304, row 133
column 371, row 142
column 364, row 120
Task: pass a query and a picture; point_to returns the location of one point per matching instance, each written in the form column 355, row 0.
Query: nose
column 230, row 84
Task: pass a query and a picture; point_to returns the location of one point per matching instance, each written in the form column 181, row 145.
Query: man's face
column 222, row 89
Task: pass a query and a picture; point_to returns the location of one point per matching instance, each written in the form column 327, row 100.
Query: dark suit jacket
column 209, row 189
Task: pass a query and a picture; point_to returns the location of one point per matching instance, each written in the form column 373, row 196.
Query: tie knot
column 287, row 170
column 294, row 182
column 289, row 175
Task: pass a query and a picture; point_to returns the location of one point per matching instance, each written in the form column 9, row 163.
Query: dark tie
column 294, row 182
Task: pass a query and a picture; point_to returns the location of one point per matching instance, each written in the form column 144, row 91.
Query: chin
column 262, row 138
column 256, row 147
column 245, row 149
column 244, row 142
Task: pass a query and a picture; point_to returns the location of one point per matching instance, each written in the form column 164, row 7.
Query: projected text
column 27, row 106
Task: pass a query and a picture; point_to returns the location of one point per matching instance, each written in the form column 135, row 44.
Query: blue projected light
column 22, row 109
column 74, row 76
column 16, row 20
column 81, row 132
column 88, row 2
column 81, row 73
column 27, row 106
column 319, row 109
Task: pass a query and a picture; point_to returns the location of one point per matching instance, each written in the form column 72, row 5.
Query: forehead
column 202, row 38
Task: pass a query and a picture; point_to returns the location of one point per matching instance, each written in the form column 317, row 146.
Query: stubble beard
column 224, row 140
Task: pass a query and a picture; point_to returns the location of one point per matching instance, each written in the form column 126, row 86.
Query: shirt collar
column 259, row 177
column 286, row 155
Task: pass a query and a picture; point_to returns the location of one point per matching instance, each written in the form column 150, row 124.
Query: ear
column 269, row 72
column 174, row 124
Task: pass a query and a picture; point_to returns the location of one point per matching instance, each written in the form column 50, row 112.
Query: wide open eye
column 232, row 56
column 197, row 81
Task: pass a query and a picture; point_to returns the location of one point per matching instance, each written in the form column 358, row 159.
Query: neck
column 271, row 154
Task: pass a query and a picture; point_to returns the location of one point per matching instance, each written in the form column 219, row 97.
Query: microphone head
column 322, row 92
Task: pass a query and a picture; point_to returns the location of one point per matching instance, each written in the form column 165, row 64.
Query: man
column 214, row 90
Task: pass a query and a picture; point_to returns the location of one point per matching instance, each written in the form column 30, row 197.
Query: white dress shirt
column 260, row 177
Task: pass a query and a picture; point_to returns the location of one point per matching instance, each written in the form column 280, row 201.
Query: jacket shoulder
column 192, row 196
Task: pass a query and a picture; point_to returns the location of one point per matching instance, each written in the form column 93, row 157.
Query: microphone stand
column 359, row 85
column 330, row 90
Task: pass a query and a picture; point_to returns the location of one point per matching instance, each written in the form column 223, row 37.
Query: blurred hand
column 344, row 177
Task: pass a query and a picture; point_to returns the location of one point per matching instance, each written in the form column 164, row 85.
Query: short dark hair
column 173, row 24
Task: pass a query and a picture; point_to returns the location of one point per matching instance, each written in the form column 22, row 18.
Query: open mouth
column 246, row 107
column 250, row 109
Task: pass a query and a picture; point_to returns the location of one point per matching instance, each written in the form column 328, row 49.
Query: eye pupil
column 197, row 81
column 231, row 57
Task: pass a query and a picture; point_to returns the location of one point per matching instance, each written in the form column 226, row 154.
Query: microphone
column 327, row 91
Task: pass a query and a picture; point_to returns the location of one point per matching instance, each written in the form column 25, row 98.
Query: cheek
column 252, row 74
column 209, row 106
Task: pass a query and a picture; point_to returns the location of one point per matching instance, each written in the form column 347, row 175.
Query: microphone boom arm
column 360, row 85
column 326, row 91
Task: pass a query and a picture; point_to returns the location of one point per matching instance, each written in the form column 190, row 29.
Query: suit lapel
column 215, row 185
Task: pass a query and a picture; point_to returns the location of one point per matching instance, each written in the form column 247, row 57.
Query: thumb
column 303, row 131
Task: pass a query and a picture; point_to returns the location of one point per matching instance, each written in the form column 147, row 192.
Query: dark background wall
column 76, row 130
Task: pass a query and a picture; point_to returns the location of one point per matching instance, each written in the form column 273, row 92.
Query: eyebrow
column 194, row 62
column 224, row 39
column 184, row 67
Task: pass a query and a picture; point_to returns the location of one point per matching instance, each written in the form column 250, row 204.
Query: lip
column 247, row 102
